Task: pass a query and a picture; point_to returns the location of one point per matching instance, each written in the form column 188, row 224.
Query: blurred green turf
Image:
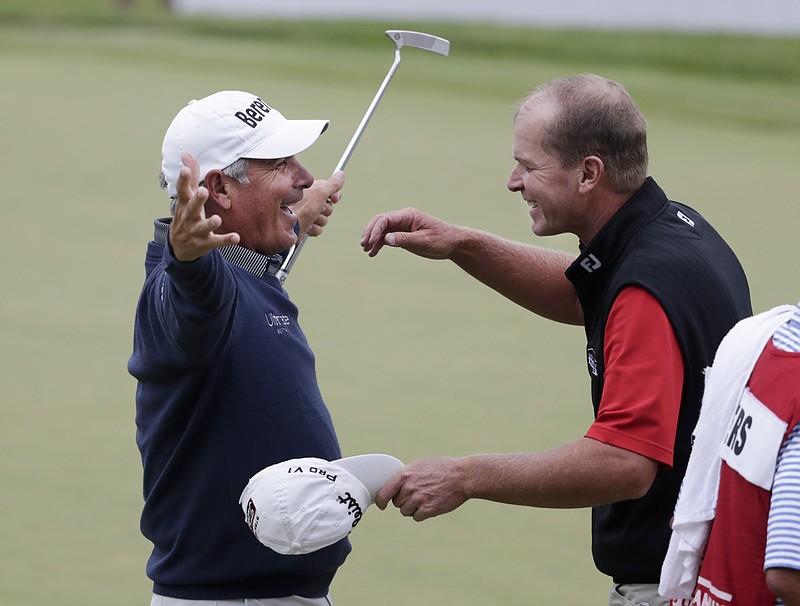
column 414, row 358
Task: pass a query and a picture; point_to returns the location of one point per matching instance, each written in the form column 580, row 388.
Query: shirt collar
column 599, row 256
column 249, row 260
column 787, row 337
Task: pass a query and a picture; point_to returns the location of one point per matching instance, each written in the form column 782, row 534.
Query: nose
column 514, row 179
column 302, row 177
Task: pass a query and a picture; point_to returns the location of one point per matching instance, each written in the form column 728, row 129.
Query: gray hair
column 236, row 171
column 598, row 117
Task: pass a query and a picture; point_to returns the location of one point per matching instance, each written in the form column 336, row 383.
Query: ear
column 217, row 186
column 592, row 172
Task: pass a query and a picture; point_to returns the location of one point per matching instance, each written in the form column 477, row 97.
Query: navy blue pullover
column 226, row 386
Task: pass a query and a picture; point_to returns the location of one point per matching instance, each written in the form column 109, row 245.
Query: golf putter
column 400, row 38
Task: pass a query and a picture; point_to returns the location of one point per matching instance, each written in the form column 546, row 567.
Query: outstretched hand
column 192, row 234
column 412, row 230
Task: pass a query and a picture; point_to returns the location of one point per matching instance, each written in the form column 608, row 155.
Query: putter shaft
column 400, row 38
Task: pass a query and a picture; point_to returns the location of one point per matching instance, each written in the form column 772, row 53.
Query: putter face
column 427, row 42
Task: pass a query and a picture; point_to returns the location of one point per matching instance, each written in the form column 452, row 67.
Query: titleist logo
column 353, row 508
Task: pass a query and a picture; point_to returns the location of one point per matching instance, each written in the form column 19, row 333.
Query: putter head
column 427, row 42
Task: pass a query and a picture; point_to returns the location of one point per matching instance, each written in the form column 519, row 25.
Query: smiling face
column 550, row 189
column 260, row 210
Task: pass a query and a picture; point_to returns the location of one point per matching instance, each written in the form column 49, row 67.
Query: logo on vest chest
column 591, row 263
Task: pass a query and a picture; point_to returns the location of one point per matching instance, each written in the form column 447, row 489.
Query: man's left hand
column 314, row 210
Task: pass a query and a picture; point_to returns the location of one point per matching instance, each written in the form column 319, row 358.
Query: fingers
column 425, row 488
column 403, row 491
column 337, row 183
column 401, row 498
column 413, row 231
column 190, row 162
column 317, row 204
column 406, row 501
column 372, row 236
column 331, row 194
column 188, row 178
column 192, row 234
column 384, row 229
column 193, row 237
column 328, row 192
column 411, row 509
column 389, row 490
column 315, row 229
column 191, row 197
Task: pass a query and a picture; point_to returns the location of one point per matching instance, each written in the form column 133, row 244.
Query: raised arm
column 529, row 276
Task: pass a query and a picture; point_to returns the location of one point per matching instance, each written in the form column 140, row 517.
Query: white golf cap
column 302, row 505
column 228, row 125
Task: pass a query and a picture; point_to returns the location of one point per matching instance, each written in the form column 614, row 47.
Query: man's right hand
column 192, row 234
column 412, row 230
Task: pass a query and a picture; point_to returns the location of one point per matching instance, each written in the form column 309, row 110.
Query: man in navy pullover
column 226, row 379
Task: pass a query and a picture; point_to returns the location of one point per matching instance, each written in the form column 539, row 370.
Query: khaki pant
column 640, row 594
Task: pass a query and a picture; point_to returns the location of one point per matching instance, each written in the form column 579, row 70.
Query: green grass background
column 414, row 358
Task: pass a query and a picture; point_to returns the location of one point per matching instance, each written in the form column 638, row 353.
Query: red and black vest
column 671, row 251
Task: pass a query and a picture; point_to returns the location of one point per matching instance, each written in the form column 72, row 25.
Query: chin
column 542, row 230
column 277, row 245
column 290, row 240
